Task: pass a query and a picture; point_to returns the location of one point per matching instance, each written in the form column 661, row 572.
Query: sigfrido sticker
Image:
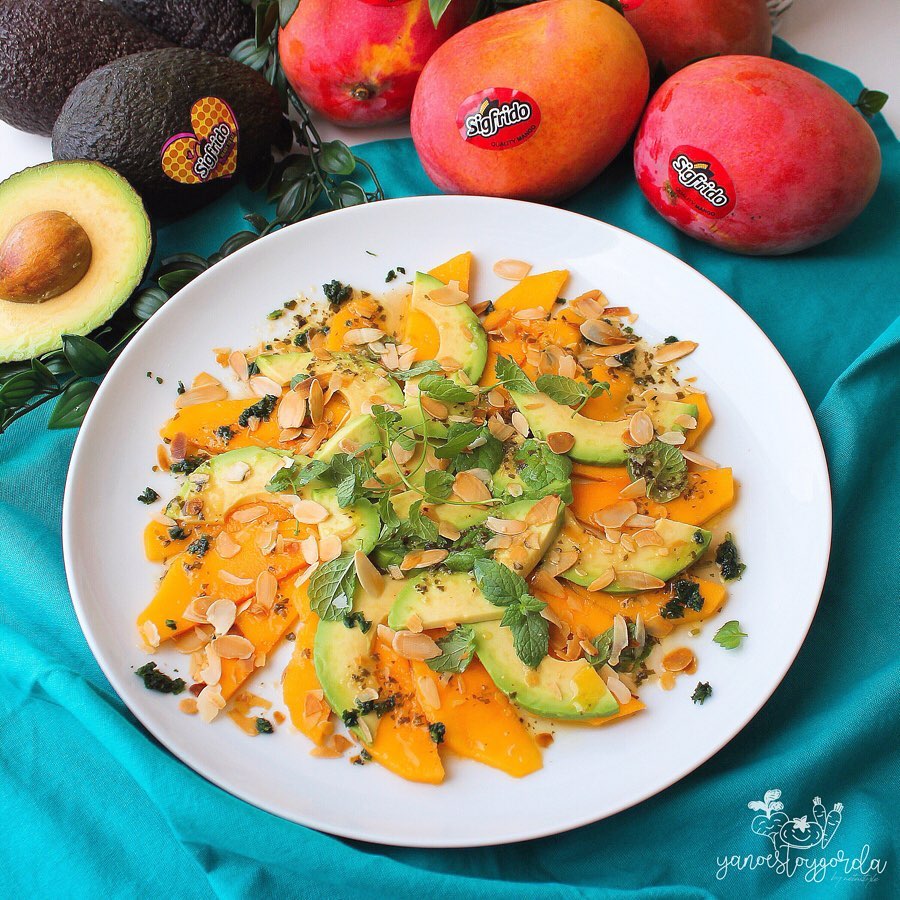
column 699, row 179
column 385, row 2
column 498, row 118
column 209, row 151
column 629, row 5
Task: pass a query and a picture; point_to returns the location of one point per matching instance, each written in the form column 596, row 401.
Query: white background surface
column 862, row 36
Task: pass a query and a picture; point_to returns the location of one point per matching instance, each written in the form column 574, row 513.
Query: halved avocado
column 462, row 337
column 366, row 381
column 105, row 214
column 684, row 545
column 556, row 689
column 596, row 442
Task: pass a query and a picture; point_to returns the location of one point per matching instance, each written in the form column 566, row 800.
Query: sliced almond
column 615, row 515
column 599, row 332
column 316, row 402
column 434, row 408
column 640, row 427
column 618, row 689
column 420, row 559
column 150, row 633
column 428, row 691
column 193, row 640
column 360, row 336
column 451, row 532
column 401, row 455
column 292, row 411
column 210, row 702
column 470, row 488
column 196, row 610
column 414, row 646
column 329, row 548
column 648, row 537
column 262, row 385
column 602, row 581
column 239, row 365
column 234, row 646
column 561, row 441
column 305, row 575
column 637, row 488
column 531, row 314
column 221, row 615
column 498, row 542
column 568, row 368
column 667, row 353
column 499, row 429
column 505, row 526
column 686, row 421
column 308, row 512
column 226, row 546
column 309, row 549
column 248, row 514
column 266, row 589
column 639, row 581
column 231, row 578
column 207, row 393
column 677, row 660
column 511, row 269
column 414, row 624
column 639, row 520
column 544, row 511
column 370, row 578
column 619, row 639
column 211, row 672
column 448, row 295
column 557, row 563
column 543, row 581
column 698, row 459
column 674, row 438
column 520, row 423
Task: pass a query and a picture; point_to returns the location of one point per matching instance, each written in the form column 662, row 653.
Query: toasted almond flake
column 448, row 295
column 196, row 610
column 203, row 379
column 210, row 702
column 262, row 385
column 359, row 336
column 543, row 581
column 674, row 438
column 239, row 366
column 365, row 732
column 520, row 423
column 677, row 660
column 315, row 439
column 558, row 563
column 150, row 634
column 326, row 751
column 480, row 306
column 588, row 305
column 188, row 706
column 367, row 694
column 667, row 353
column 598, row 332
column 619, row 639
column 619, row 349
column 207, row 393
column 498, row 542
column 420, row 559
column 637, row 488
column 544, row 511
column 603, row 580
column 248, row 514
column 511, row 269
column 410, row 645
column 532, row 314
column 638, row 581
column 236, row 472
column 618, row 689
column 434, row 408
column 178, row 446
column 627, row 543
column 233, row 646
column 309, row 549
column 211, row 672
column 390, row 359
column 291, row 411
column 401, row 455
column 266, row 589
column 226, row 546
column 414, row 624
column 470, row 489
column 231, row 578
column 221, row 615
column 647, row 537
column 567, row 367
column 496, row 399
column 385, row 634
column 686, row 421
column 641, row 428
column 639, row 520
column 308, row 512
column 451, row 532
column 615, row 515
column 370, row 578
column 193, row 640
column 428, row 691
column 561, row 441
column 316, row 402
column 329, row 548
column 612, row 535
column 305, row 575
column 698, row 459
column 505, row 526
column 499, row 429
column 396, row 572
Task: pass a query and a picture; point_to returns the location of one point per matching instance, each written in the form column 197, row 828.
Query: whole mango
column 533, row 103
column 357, row 62
column 676, row 33
column 755, row 156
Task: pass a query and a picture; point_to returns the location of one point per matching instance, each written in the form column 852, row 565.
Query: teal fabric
column 93, row 806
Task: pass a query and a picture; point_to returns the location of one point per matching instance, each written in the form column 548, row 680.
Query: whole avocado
column 169, row 120
column 48, row 46
column 214, row 25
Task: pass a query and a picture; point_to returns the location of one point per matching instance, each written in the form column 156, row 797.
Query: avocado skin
column 123, row 113
column 213, row 25
column 48, row 46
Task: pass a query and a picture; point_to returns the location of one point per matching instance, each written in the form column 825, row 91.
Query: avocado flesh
column 678, row 539
column 358, row 431
column 367, row 382
column 556, row 689
column 342, row 656
column 596, row 442
column 462, row 336
column 112, row 215
column 440, row 598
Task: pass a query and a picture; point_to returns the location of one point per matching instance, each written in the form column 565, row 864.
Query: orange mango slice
column 481, row 724
column 599, row 473
column 704, row 419
column 533, row 291
column 633, row 706
column 609, row 407
column 200, row 421
column 457, row 269
column 402, row 743
column 158, row 546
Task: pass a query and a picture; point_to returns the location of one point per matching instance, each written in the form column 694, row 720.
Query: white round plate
column 763, row 429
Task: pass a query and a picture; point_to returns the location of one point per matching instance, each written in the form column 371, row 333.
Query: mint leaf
column 728, row 560
column 442, row 388
column 421, row 525
column 331, row 588
column 501, row 586
column 347, row 491
column 542, row 471
column 530, row 631
column 459, row 436
column 294, row 477
column 488, row 456
column 664, row 467
column 563, row 390
column 730, row 635
column 438, row 484
column 457, row 651
column 420, row 368
column 385, row 418
column 387, row 513
column 511, row 376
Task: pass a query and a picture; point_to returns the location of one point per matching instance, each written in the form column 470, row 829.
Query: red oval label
column 629, row 5
column 385, row 2
column 701, row 181
column 498, row 118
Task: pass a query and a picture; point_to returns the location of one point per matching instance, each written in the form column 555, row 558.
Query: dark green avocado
column 48, row 46
column 135, row 115
column 214, row 25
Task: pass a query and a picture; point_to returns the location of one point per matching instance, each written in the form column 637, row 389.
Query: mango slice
column 457, row 269
column 159, row 546
column 481, row 723
column 533, row 291
column 201, row 421
column 704, row 419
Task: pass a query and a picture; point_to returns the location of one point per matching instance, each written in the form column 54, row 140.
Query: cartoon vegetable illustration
column 801, row 833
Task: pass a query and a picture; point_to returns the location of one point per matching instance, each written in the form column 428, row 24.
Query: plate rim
column 369, row 835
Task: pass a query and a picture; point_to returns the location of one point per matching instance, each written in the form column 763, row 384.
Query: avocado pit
column 43, row 256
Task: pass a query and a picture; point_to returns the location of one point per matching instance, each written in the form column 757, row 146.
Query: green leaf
column 286, row 9
column 870, row 102
column 421, row 525
column 560, row 389
column 530, row 631
column 387, row 513
column 42, row 373
column 662, row 465
column 182, row 261
column 266, row 20
column 237, row 242
column 247, row 53
column 437, row 8
column 420, row 368
column 331, row 588
column 500, row 586
column 336, row 158
column 86, row 357
column 444, row 389
column 291, row 479
column 351, row 194
column 542, row 470
column 260, row 223
column 511, row 376
column 438, row 484
column 72, row 405
column 459, row 436
column 728, row 559
column 148, row 301
column 172, row 282
column 702, row 692
column 18, row 389
column 488, row 456
column 347, row 491
column 730, row 635
column 457, row 651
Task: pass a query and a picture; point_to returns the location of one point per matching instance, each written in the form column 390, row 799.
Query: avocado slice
column 366, row 381
column 107, row 213
column 685, row 545
column 358, row 430
column 555, row 689
column 596, row 442
column 441, row 598
column 342, row 656
column 463, row 338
